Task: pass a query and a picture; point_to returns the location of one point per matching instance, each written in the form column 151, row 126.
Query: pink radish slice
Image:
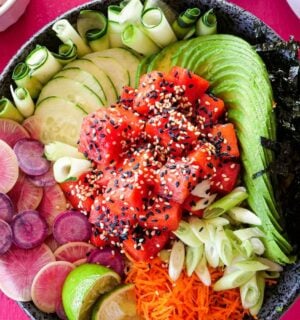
column 30, row 157
column 33, row 125
column 59, row 310
column 73, row 251
column 70, row 226
column 29, row 229
column 48, row 283
column 6, row 208
column 18, row 268
column 51, row 243
column 80, row 261
column 25, row 195
column 9, row 169
column 44, row 180
column 11, row 132
column 5, row 237
column 108, row 257
column 52, row 204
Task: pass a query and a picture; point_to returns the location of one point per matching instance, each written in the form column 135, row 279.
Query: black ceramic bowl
column 231, row 19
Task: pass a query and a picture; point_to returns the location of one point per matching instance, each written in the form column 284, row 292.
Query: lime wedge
column 83, row 287
column 119, row 304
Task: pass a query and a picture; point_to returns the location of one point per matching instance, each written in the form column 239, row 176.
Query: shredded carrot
column 159, row 298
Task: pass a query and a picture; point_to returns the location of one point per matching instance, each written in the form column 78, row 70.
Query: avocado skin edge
column 239, row 77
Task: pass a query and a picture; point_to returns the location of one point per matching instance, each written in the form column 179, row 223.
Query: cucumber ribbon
column 23, row 101
column 207, row 24
column 184, row 25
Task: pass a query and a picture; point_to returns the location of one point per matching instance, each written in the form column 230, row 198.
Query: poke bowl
column 283, row 69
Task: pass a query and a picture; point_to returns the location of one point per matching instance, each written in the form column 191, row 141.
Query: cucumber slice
column 108, row 88
column 60, row 119
column 72, row 91
column 127, row 59
column 85, row 78
column 114, row 70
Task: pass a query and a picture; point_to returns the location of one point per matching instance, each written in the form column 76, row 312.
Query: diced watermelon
column 188, row 205
column 127, row 96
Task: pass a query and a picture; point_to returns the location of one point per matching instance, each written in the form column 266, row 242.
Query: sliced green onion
column 258, row 246
column 185, row 22
column 92, row 26
column 250, row 293
column 67, row 52
column 131, row 12
column 67, row 168
column 202, row 189
column 204, row 203
column 157, row 27
column 219, row 221
column 211, row 253
column 192, row 259
column 247, row 248
column 186, row 235
column 273, row 266
column 224, row 247
column 261, row 286
column 66, row 32
column 134, row 38
column 23, row 101
column 207, row 24
column 169, row 13
column 233, row 280
column 176, row 261
column 244, row 215
column 57, row 149
column 113, row 13
column 42, row 64
column 202, row 272
column 235, row 197
column 164, row 255
column 251, row 265
column 199, row 228
column 22, row 77
column 248, row 233
column 9, row 111
column 114, row 31
column 271, row 274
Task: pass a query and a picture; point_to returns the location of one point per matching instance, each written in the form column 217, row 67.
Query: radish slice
column 71, row 226
column 5, row 236
column 52, row 204
column 6, row 208
column 48, row 283
column 30, row 156
column 9, row 169
column 80, row 261
column 108, row 257
column 18, row 268
column 33, row 125
column 11, row 132
column 73, row 251
column 29, row 229
column 59, row 310
column 51, row 243
column 44, row 180
column 24, row 195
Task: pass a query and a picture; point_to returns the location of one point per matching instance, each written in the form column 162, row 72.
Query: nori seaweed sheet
column 284, row 70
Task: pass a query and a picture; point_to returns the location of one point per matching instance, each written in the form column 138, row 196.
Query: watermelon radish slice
column 80, row 261
column 9, row 169
column 47, row 285
column 73, row 251
column 30, row 157
column 18, row 268
column 51, row 243
column 71, row 226
column 6, row 208
column 44, row 180
column 11, row 132
column 24, row 195
column 33, row 125
column 59, row 310
column 29, row 229
column 52, row 204
column 5, row 236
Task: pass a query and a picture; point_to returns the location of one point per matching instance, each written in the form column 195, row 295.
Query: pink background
column 276, row 13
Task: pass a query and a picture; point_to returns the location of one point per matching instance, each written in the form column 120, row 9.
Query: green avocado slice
column 238, row 76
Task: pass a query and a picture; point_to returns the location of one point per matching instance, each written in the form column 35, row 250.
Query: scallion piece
column 261, row 286
column 250, row 293
column 199, row 228
column 211, row 253
column 192, row 258
column 258, row 246
column 248, row 233
column 235, row 197
column 157, row 27
column 169, row 13
column 22, row 77
column 207, row 24
column 23, row 101
column 92, row 26
column 244, row 215
column 185, row 22
column 42, row 64
column 224, row 247
column 66, row 32
column 185, row 233
column 114, row 31
column 202, row 271
column 273, row 266
column 67, row 52
column 251, row 265
column 134, row 38
column 233, row 280
column 9, row 111
column 176, row 261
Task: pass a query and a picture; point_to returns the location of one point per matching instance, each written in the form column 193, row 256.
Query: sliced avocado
column 238, row 76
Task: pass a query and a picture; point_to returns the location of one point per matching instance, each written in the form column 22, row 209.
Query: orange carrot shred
column 159, row 298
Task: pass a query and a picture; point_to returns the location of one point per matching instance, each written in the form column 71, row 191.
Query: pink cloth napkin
column 276, row 13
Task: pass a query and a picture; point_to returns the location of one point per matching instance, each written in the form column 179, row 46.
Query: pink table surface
column 276, row 13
